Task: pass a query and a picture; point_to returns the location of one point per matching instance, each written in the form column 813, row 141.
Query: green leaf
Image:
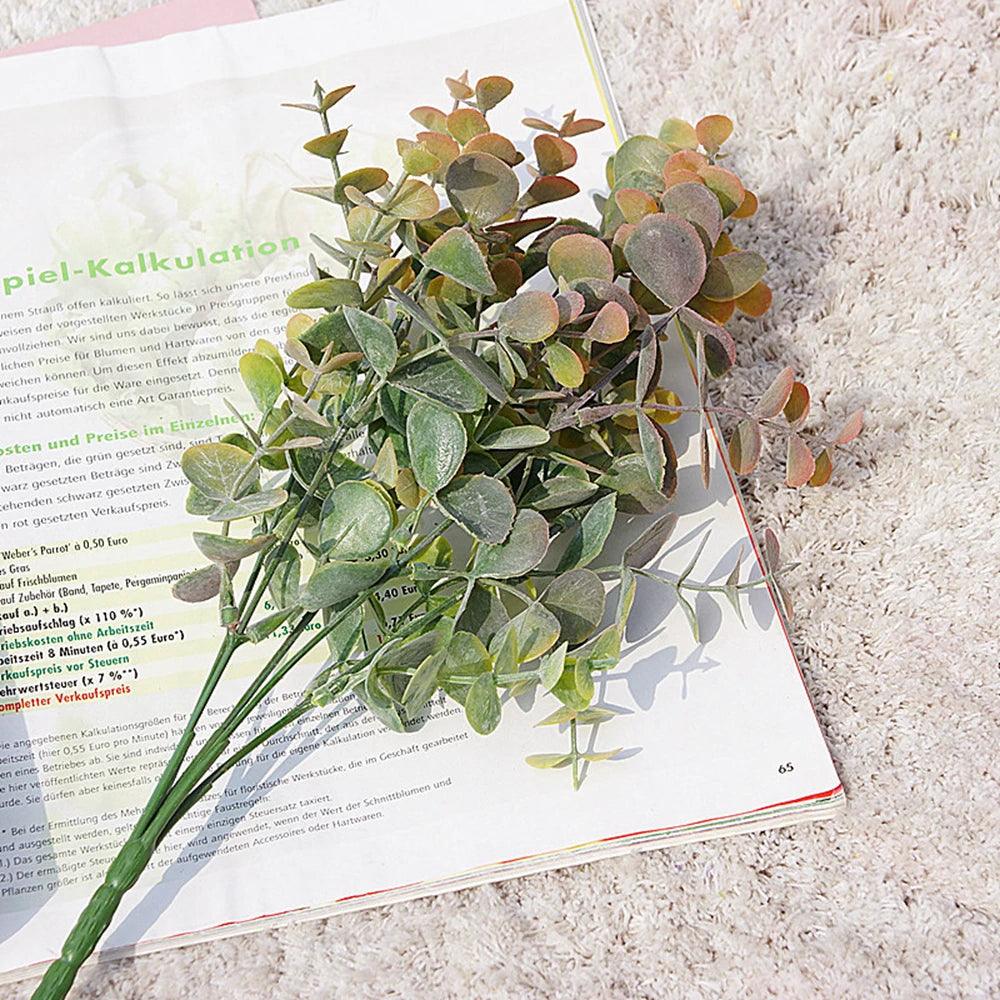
column 356, row 520
column 548, row 760
column 226, row 549
column 375, row 339
column 284, row 582
column 415, row 200
column 523, row 550
column 652, row 449
column 678, row 134
column 560, row 716
column 374, row 695
column 580, row 256
column 338, row 581
column 215, row 468
column 731, row 275
column 537, row 631
column 327, row 146
column 690, row 615
column 639, row 552
column 667, row 255
column 481, row 188
column 422, row 685
column 251, row 505
column 436, row 441
column 481, row 504
column 479, row 370
column 641, row 152
column 559, row 491
column 566, row 691
column 577, row 600
column 594, row 756
column 442, row 380
column 201, row 585
column 263, row 378
column 456, row 255
column 564, row 365
column 326, row 293
column 637, row 494
column 482, row 705
column 386, row 467
column 551, row 666
column 365, row 179
column 265, row 626
column 516, row 438
column 484, row 615
column 588, row 542
column 466, row 659
column 530, row 317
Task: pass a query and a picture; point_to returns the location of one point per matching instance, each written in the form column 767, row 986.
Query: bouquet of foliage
column 496, row 418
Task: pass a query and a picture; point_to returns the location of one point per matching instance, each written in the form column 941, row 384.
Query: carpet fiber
column 871, row 132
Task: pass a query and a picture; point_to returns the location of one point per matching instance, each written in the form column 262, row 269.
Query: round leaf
column 678, row 134
column 580, row 256
column 443, row 381
column 554, row 154
column 481, row 504
column 436, row 440
column 697, row 205
column 588, row 542
column 491, row 90
column 530, row 317
column 481, row 187
column 667, row 255
column 641, row 152
column 523, row 550
column 415, row 200
column 800, row 462
column 226, row 549
column 356, row 520
column 713, row 131
column 327, row 293
column 577, row 600
column 732, row 275
column 262, row 378
column 214, row 469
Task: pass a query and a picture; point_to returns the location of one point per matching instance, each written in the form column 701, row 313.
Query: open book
column 149, row 188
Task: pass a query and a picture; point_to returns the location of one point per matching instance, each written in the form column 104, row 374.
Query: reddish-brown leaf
column 797, row 407
column 800, row 464
column 774, row 399
column 852, row 427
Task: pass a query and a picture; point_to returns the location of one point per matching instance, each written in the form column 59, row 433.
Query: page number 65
column 786, row 768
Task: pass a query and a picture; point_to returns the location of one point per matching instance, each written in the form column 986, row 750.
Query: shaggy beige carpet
column 872, row 133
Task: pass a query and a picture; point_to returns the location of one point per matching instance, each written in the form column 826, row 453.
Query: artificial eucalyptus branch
column 433, row 426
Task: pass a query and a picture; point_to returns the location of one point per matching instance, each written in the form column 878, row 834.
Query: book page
column 156, row 240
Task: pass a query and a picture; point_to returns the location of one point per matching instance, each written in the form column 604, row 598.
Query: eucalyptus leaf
column 442, row 380
column 436, row 441
column 482, row 705
column 456, row 255
column 326, row 293
column 577, row 600
column 523, row 550
column 588, row 542
column 356, row 520
column 214, row 469
column 639, row 552
column 481, row 504
column 252, row 505
column 340, row 580
column 227, row 549
column 375, row 338
column 518, row 437
column 667, row 255
column 201, row 585
column 263, row 379
column 481, row 188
